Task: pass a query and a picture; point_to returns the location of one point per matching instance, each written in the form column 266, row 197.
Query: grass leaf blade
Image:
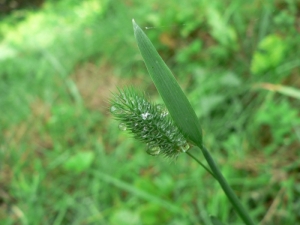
column 175, row 100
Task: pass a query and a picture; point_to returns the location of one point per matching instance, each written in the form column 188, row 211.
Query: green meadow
column 63, row 159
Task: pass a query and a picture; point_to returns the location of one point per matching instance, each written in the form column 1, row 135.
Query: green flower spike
column 149, row 123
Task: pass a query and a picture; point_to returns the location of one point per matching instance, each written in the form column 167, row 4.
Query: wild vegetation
column 63, row 159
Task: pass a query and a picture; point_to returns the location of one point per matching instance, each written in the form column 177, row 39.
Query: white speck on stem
column 145, row 115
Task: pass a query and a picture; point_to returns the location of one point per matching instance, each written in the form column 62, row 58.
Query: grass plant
column 63, row 159
column 152, row 126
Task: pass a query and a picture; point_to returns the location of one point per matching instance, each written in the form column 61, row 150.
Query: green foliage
column 215, row 221
column 220, row 30
column 125, row 217
column 59, row 62
column 79, row 162
column 278, row 118
column 269, row 55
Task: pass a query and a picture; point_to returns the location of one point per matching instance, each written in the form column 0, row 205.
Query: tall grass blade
column 139, row 193
column 175, row 100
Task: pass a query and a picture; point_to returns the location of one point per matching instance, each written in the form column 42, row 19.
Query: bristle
column 148, row 122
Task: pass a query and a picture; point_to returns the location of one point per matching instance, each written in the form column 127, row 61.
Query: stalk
column 200, row 163
column 225, row 186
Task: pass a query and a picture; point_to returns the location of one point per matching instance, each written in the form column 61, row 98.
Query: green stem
column 226, row 188
column 200, row 163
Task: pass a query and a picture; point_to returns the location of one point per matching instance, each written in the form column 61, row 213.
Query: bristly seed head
column 148, row 122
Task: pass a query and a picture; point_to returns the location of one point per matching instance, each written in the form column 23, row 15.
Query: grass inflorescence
column 148, row 122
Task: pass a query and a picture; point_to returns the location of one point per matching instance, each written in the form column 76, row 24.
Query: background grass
column 63, row 159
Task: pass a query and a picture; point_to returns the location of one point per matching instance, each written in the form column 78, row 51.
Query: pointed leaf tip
column 134, row 24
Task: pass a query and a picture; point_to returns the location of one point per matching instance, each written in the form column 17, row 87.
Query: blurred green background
column 63, row 159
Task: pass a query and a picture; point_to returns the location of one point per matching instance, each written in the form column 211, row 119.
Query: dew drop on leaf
column 122, row 126
column 164, row 113
column 159, row 107
column 115, row 110
column 132, row 100
column 153, row 150
column 185, row 147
